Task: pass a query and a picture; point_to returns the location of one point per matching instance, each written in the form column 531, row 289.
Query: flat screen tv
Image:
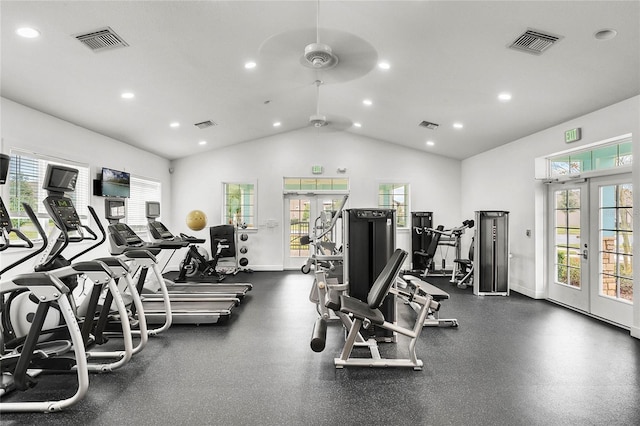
column 115, row 183
column 114, row 209
column 60, row 179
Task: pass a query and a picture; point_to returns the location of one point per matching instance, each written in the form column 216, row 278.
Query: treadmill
column 162, row 235
column 162, row 306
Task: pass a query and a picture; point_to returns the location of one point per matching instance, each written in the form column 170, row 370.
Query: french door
column 301, row 212
column 591, row 247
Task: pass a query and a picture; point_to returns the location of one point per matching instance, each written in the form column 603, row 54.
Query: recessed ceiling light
column 175, row 124
column 384, row 65
column 202, row 143
column 28, row 32
column 605, row 34
column 127, row 95
column 367, row 102
column 430, row 143
column 458, row 125
column 250, row 65
column 277, row 124
column 357, row 124
column 504, row 96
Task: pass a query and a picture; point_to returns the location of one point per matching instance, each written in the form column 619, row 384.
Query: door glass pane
column 567, row 237
column 616, row 241
column 299, row 227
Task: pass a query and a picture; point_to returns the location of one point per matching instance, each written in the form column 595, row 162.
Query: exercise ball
column 196, row 220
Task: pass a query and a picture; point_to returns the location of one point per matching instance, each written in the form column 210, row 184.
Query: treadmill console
column 62, row 208
column 159, row 231
column 125, row 235
column 5, row 220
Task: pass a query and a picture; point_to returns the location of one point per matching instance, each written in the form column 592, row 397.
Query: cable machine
column 491, row 259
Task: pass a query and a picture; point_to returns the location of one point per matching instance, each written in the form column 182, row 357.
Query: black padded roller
column 319, row 336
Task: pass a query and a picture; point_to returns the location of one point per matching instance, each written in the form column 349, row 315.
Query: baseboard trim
column 266, row 268
column 635, row 332
column 527, row 292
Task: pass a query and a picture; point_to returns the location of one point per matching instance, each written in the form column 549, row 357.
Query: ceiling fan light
column 318, row 120
column 319, row 56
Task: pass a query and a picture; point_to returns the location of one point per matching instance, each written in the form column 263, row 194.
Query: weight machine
column 445, row 238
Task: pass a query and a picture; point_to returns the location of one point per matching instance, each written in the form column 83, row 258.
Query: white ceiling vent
column 205, row 124
column 428, row 125
column 102, row 39
column 534, row 41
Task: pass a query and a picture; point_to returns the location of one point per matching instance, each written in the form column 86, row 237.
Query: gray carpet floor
column 512, row 361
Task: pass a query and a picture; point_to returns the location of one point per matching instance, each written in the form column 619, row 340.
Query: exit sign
column 316, row 170
column 572, row 135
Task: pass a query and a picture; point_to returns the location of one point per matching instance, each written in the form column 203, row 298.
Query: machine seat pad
column 360, row 310
column 333, row 300
column 114, row 262
column 463, row 261
column 433, row 291
column 35, row 279
column 89, row 266
column 142, row 254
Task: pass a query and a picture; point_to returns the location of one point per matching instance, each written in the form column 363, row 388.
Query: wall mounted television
column 115, row 183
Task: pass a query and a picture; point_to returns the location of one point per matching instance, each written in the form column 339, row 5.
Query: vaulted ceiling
column 447, row 63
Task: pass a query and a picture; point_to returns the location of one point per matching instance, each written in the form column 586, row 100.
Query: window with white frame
column 239, row 204
column 142, row 190
column 613, row 155
column 26, row 175
column 395, row 196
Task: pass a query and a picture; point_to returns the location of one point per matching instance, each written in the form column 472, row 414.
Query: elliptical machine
column 69, row 229
column 51, row 295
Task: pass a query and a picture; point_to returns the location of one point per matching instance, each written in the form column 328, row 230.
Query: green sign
column 316, row 170
column 572, row 135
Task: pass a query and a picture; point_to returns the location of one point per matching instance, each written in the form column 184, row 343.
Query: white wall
column 27, row 129
column 635, row 328
column 503, row 179
column 197, row 181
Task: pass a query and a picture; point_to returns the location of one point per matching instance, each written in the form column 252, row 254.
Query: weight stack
column 420, row 242
column 491, row 260
column 370, row 238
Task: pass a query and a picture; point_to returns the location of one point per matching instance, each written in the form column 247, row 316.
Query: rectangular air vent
column 429, row 125
column 534, row 41
column 205, row 124
column 102, row 39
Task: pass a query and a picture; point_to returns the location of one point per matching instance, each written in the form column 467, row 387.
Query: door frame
column 574, row 297
column 287, row 262
column 611, row 309
column 589, row 302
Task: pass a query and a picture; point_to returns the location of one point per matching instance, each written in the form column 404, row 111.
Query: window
column 316, row 184
column 142, row 190
column 239, row 204
column 395, row 196
column 26, row 173
column 567, row 237
column 616, row 241
column 607, row 156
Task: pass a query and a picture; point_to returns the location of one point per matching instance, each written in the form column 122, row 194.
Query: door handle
column 585, row 254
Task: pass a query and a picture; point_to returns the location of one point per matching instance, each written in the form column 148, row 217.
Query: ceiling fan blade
column 282, row 56
column 336, row 123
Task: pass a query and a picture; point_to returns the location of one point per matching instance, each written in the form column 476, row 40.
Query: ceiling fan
column 332, row 55
column 318, row 55
column 318, row 120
